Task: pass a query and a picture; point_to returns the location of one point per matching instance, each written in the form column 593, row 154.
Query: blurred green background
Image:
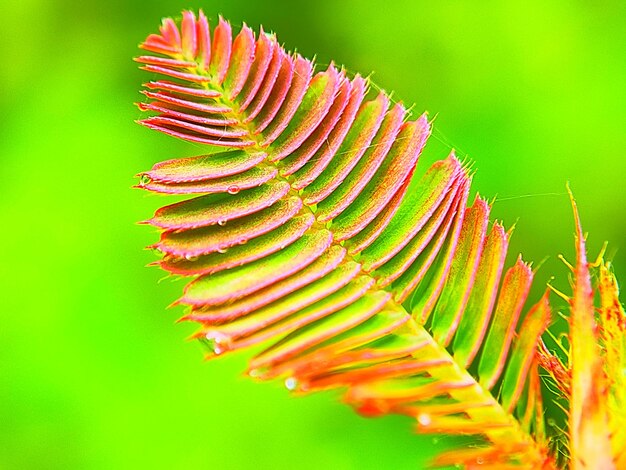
column 93, row 372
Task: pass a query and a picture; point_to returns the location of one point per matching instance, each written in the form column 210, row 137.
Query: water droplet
column 254, row 373
column 212, row 344
column 217, row 342
column 480, row 461
column 190, row 257
column 234, row 189
column 551, row 422
column 242, row 241
column 291, row 383
column 144, row 179
column 222, row 249
column 424, row 419
column 221, row 222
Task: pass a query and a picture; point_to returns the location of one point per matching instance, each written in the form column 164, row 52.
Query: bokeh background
column 93, row 372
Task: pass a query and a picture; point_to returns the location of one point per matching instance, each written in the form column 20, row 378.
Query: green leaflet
column 300, row 280
column 523, row 352
column 396, row 167
column 205, row 167
column 350, row 188
column 392, row 391
column 235, row 283
column 349, row 376
column 220, row 51
column 303, row 70
column 474, row 323
column 354, row 145
column 453, row 297
column 241, row 61
column 218, row 209
column 328, row 151
column 423, row 198
column 301, row 156
column 328, row 291
column 426, row 276
column 263, row 52
column 244, row 252
column 515, row 288
column 313, row 108
column 405, row 259
column 321, row 330
column 271, row 328
column 229, row 184
column 204, row 240
column 353, row 347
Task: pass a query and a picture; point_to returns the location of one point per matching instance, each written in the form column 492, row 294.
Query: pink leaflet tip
column 452, row 156
column 194, row 336
column 189, row 35
column 187, row 317
column 423, row 119
column 482, row 204
column 523, row 264
column 506, row 234
column 209, row 356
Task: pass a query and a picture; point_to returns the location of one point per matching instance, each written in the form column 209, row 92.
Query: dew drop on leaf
column 144, row 180
column 233, row 189
column 217, row 342
column 222, row 249
column 291, row 383
column 424, row 419
column 221, row 223
column 212, row 345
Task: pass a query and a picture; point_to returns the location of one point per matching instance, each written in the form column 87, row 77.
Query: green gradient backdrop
column 93, row 373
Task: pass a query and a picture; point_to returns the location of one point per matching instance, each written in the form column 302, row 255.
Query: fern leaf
column 313, row 236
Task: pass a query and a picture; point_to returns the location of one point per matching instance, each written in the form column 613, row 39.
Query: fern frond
column 592, row 381
column 313, row 236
